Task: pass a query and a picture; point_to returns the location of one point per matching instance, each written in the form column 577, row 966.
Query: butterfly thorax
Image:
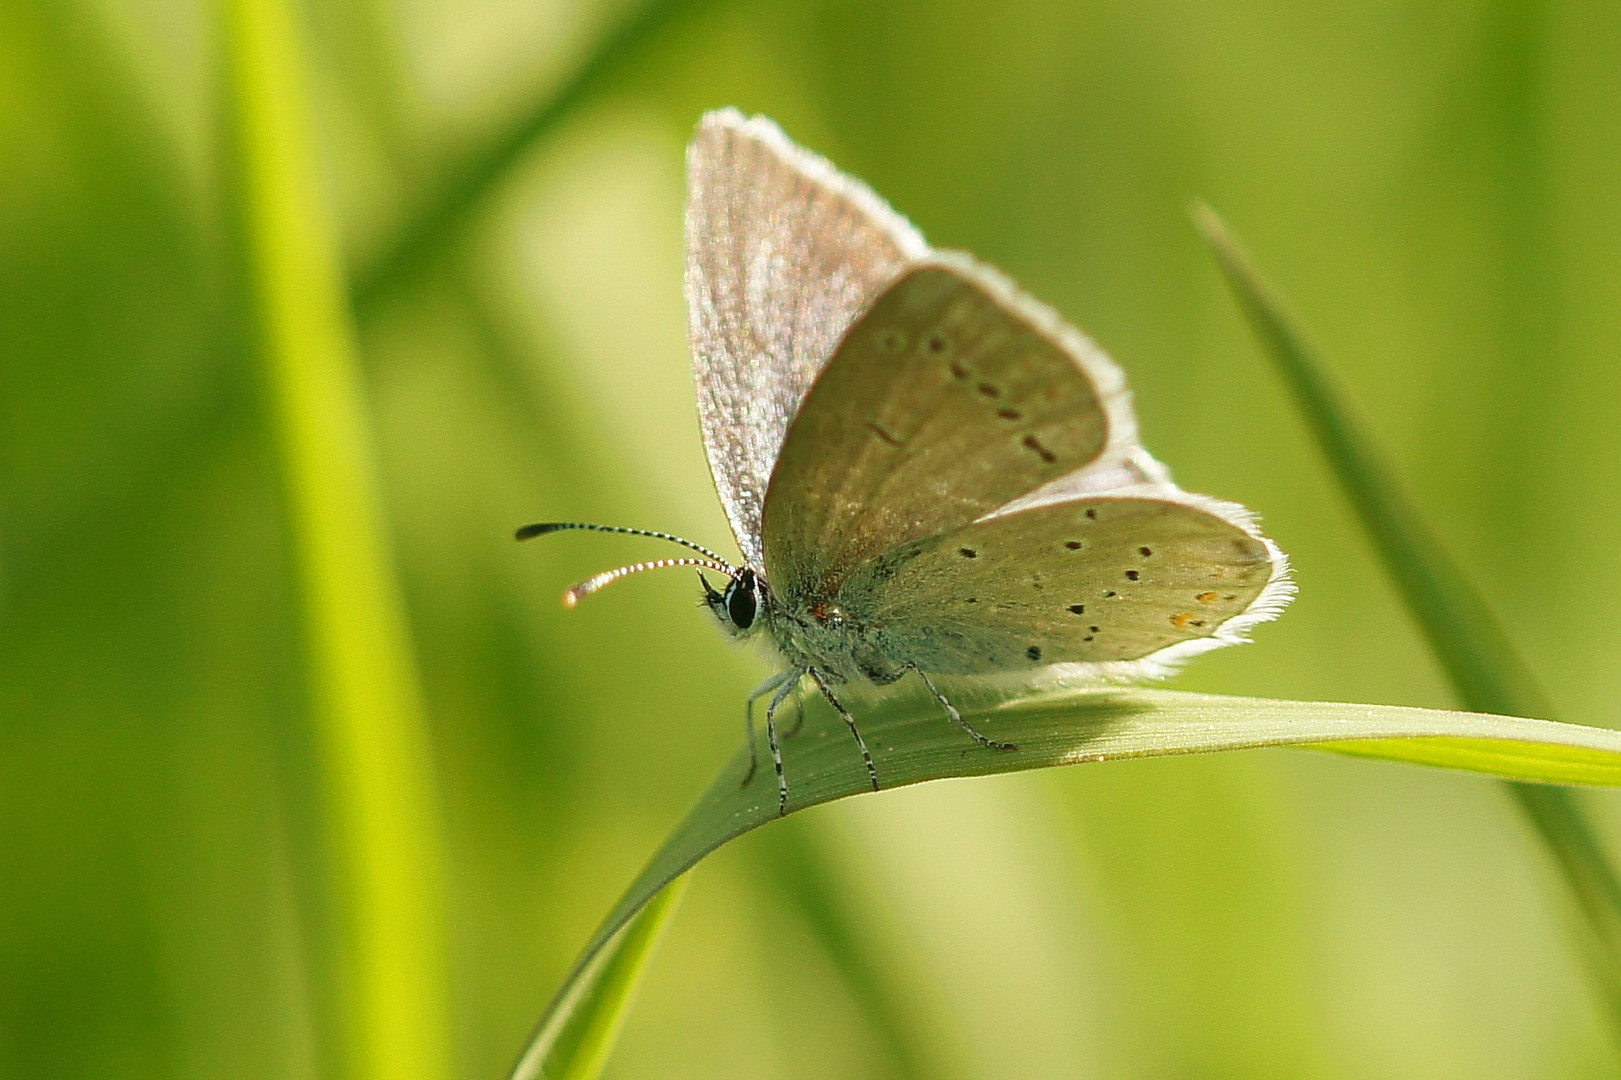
column 826, row 634
column 808, row 635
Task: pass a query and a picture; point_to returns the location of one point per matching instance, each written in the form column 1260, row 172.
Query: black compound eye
column 741, row 604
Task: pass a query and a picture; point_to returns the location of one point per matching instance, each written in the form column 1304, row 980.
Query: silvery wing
column 783, row 253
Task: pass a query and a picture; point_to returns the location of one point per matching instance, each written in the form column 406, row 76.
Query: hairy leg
column 771, row 736
column 951, row 710
column 748, row 715
column 850, row 722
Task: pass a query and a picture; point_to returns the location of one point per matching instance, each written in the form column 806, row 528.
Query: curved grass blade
column 914, row 743
column 574, row 1038
column 463, row 191
column 803, row 873
column 1483, row 666
column 369, row 726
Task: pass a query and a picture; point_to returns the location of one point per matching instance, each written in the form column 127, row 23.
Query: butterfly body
column 834, row 636
column 927, row 470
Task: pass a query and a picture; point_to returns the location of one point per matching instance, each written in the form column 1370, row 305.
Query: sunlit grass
column 1054, row 728
column 574, row 1039
column 433, row 223
column 1484, row 667
column 380, row 781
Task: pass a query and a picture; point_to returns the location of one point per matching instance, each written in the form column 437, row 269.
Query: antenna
column 710, row 560
column 608, row 577
column 546, row 528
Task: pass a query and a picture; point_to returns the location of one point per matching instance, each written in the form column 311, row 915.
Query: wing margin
column 784, row 252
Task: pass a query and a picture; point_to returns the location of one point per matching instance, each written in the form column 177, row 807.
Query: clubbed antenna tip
column 542, row 528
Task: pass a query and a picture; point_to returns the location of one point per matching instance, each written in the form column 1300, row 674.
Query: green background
column 1433, row 184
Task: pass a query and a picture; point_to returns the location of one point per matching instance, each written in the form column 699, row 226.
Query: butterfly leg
column 799, row 719
column 789, row 681
column 748, row 716
column 850, row 722
column 951, row 710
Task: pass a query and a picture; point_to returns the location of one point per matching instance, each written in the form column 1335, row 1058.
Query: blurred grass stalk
column 1057, row 726
column 1483, row 666
column 578, row 1031
column 378, row 773
column 434, row 224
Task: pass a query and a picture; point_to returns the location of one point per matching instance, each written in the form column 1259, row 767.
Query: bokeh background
column 1434, row 183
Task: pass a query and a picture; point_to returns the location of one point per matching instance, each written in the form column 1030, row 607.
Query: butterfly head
column 737, row 606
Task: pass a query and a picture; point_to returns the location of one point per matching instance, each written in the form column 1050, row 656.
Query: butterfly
column 927, row 472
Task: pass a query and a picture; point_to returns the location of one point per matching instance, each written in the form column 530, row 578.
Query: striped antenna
column 608, row 577
column 545, row 528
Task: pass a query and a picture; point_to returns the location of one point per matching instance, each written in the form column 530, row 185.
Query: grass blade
column 464, row 190
column 803, row 874
column 1483, row 666
column 370, row 728
column 1485, row 669
column 574, row 1038
column 914, row 743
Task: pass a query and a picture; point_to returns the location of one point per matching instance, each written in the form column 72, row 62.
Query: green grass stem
column 804, row 875
column 430, row 227
column 578, row 1032
column 1485, row 669
column 370, row 726
column 1055, row 726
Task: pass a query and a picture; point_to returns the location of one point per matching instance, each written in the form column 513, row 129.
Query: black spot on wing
column 1034, row 445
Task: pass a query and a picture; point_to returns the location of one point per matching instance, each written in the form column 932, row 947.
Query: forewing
column 1134, row 582
column 952, row 396
column 783, row 252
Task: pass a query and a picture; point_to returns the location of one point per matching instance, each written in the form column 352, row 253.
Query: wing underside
column 783, row 253
column 952, row 396
column 1131, row 582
